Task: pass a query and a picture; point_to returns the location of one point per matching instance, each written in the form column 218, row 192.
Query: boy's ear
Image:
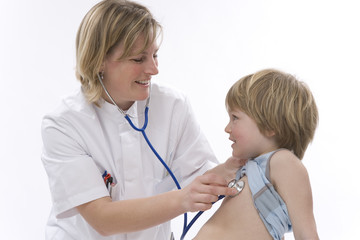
column 269, row 133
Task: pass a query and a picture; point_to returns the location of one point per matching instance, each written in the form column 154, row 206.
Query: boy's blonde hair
column 108, row 24
column 277, row 102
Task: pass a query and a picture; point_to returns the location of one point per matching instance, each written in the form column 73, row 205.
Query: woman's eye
column 138, row 60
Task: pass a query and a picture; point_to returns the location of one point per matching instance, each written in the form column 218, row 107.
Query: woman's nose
column 152, row 67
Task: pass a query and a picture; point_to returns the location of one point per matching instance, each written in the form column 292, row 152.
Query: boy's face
column 249, row 142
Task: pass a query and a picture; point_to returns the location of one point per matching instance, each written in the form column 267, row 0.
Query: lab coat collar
column 135, row 111
column 77, row 102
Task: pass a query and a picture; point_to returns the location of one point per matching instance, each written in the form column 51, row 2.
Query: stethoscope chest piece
column 238, row 185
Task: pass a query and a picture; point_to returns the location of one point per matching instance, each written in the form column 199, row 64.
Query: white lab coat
column 81, row 141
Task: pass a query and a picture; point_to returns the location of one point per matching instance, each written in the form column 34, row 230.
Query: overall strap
column 270, row 205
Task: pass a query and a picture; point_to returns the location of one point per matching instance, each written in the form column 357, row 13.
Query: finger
column 201, row 207
column 230, row 192
column 223, row 190
column 215, row 190
column 212, row 179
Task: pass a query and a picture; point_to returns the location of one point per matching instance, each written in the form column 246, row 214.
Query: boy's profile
column 273, row 118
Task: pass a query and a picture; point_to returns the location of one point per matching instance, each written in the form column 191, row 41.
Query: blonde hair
column 277, row 102
column 108, row 24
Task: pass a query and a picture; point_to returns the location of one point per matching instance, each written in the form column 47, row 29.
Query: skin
column 237, row 217
column 128, row 80
column 248, row 141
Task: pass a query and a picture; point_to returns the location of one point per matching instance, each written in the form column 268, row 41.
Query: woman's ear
column 102, row 67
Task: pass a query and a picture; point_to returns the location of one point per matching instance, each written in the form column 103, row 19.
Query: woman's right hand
column 201, row 193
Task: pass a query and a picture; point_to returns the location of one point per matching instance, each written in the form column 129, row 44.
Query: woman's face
column 128, row 80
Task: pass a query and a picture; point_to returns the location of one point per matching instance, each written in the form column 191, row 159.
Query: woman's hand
column 229, row 168
column 232, row 165
column 200, row 194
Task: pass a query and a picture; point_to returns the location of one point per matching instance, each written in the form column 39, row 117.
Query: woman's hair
column 108, row 24
column 277, row 102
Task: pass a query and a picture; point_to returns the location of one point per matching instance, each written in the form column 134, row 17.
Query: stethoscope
column 235, row 183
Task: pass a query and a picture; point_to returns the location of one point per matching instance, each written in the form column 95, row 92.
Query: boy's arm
column 291, row 181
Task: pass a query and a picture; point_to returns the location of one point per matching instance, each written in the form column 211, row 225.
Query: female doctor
column 88, row 142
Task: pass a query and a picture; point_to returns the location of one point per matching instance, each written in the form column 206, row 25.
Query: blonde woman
column 105, row 181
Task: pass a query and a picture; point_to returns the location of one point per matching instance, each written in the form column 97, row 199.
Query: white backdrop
column 207, row 46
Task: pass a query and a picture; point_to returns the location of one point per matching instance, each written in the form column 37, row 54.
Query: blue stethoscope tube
column 142, row 130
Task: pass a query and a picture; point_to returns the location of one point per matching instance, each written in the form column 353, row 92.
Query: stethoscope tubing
column 142, row 130
column 186, row 227
column 195, row 218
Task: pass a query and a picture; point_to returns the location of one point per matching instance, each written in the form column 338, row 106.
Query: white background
column 207, row 46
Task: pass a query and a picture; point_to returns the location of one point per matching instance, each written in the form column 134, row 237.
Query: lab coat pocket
column 167, row 183
column 115, row 191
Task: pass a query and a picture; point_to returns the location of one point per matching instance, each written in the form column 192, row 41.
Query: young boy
column 273, row 117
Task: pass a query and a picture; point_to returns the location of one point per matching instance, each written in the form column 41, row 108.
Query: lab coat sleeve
column 74, row 178
column 193, row 155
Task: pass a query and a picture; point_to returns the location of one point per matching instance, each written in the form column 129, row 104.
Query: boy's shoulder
column 284, row 156
column 285, row 165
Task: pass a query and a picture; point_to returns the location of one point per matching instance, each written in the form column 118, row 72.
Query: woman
column 104, row 179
